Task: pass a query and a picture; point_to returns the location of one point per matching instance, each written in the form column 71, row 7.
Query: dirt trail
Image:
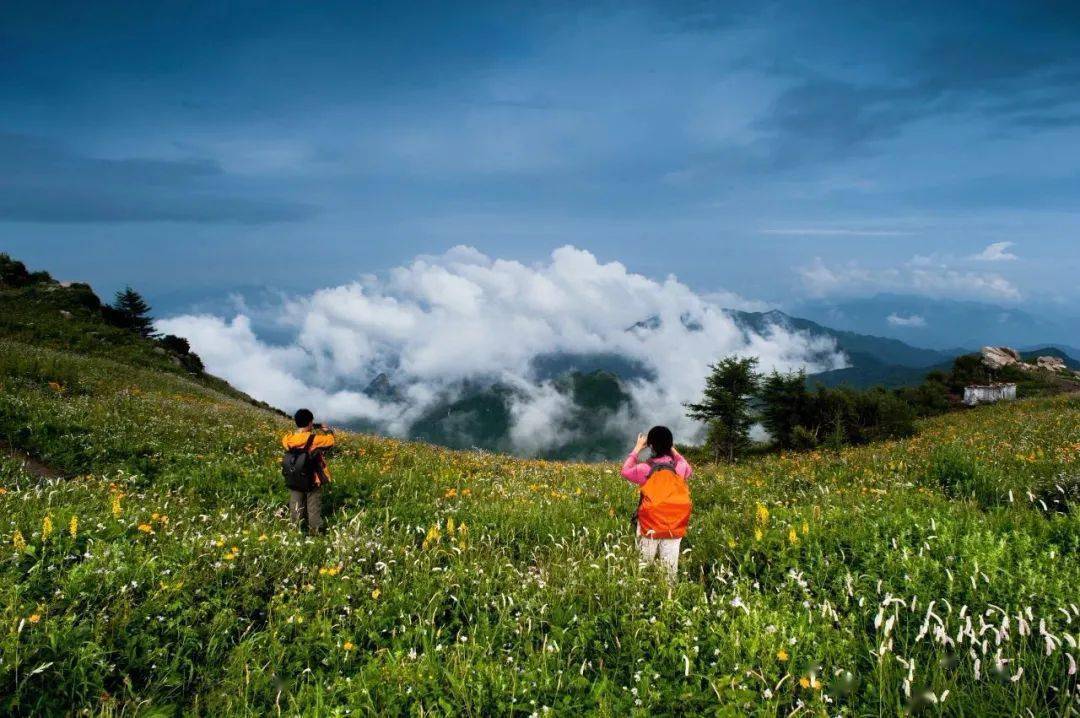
column 31, row 465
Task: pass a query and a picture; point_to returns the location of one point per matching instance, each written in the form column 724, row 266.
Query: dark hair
column 660, row 440
column 303, row 418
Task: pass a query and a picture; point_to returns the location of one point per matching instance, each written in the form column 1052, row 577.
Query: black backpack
column 299, row 466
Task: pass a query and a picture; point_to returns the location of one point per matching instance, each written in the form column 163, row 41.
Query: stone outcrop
column 999, row 357
column 1051, row 363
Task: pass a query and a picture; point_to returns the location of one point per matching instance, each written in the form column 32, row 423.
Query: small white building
column 989, row 393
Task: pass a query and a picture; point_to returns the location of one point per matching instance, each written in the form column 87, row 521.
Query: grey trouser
column 309, row 503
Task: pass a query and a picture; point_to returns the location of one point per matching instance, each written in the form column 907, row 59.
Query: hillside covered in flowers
column 155, row 571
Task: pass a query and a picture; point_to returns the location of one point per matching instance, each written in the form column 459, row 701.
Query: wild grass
column 160, row 575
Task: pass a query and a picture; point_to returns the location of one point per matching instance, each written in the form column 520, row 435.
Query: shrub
column 13, row 274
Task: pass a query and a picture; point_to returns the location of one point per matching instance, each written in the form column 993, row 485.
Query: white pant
column 667, row 549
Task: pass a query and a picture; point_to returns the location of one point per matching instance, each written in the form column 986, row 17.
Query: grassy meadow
column 159, row 575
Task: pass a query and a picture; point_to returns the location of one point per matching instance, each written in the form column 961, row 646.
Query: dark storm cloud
column 45, row 181
column 1009, row 63
column 652, row 131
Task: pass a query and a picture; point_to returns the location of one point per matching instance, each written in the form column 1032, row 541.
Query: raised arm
column 634, row 471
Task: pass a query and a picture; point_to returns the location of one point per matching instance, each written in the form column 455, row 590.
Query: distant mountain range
column 883, row 361
column 945, row 323
column 873, row 360
column 480, row 413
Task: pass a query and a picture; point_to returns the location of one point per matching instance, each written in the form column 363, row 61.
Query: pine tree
column 725, row 407
column 784, row 406
column 135, row 311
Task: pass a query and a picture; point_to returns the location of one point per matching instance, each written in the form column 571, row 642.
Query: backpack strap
column 653, row 468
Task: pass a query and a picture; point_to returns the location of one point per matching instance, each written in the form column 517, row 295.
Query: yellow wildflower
column 758, row 534
column 46, row 528
column 262, row 537
column 450, row 493
column 375, row 594
column 18, row 541
column 782, row 655
column 433, row 536
column 804, row 682
column 146, row 528
column 805, row 528
column 116, row 508
column 762, row 514
column 348, row 645
column 73, row 526
column 450, row 525
column 792, row 536
column 34, row 617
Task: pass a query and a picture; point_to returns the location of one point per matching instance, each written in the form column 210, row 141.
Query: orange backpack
column 664, row 511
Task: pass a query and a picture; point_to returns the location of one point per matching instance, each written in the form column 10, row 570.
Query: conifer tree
column 135, row 311
column 725, row 407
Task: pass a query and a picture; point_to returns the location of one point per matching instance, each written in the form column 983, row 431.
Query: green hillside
column 36, row 309
column 156, row 574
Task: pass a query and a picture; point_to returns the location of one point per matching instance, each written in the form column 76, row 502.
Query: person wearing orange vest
column 664, row 510
column 304, row 468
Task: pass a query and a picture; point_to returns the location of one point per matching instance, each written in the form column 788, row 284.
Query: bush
column 175, row 344
column 13, row 274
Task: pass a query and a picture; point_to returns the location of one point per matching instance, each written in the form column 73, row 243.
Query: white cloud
column 441, row 320
column 996, row 252
column 919, row 276
column 899, row 320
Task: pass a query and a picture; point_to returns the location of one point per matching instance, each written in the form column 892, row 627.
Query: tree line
column 796, row 416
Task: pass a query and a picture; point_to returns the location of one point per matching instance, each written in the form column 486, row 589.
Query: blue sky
column 782, row 151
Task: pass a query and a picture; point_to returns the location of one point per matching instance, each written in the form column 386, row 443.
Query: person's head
column 304, row 418
column 660, row 440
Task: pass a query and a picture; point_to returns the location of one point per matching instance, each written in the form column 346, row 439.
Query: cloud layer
column 440, row 321
column 922, row 275
column 57, row 184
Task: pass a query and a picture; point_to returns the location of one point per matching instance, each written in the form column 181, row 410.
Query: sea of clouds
column 440, row 321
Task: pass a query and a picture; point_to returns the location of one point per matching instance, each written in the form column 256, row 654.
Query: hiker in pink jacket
column 662, row 445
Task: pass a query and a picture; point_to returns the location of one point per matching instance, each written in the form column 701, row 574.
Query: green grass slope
column 70, row 317
column 160, row 576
